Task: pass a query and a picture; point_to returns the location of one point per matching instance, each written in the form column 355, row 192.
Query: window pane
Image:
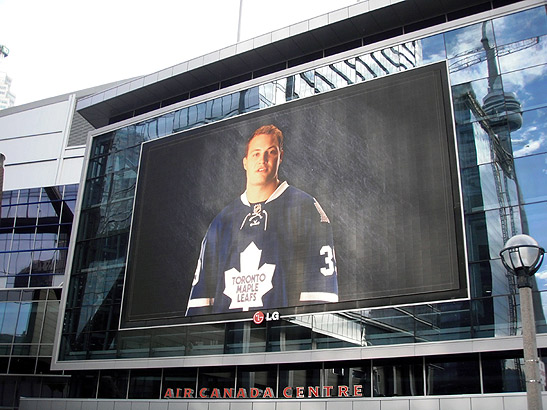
column 179, row 379
column 485, row 232
column 398, row 377
column 520, row 26
column 354, row 375
column 83, row 385
column 526, row 53
column 529, row 85
column 22, row 240
column 532, row 177
column 242, row 337
column 285, row 336
column 46, row 240
column 257, row 377
column 433, row 49
column 220, row 378
column 113, row 384
column 531, row 138
column 466, row 54
column 299, row 375
column 503, row 372
column 205, row 339
column 458, row 374
column 486, row 187
column 20, row 262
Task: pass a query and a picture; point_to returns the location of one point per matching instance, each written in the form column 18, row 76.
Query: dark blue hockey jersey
column 269, row 255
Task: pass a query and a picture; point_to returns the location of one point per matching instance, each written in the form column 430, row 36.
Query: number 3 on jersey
column 329, row 269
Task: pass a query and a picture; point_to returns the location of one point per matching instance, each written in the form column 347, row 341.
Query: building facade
column 7, row 99
column 68, row 202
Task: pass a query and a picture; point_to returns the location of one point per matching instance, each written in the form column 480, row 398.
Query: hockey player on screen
column 270, row 248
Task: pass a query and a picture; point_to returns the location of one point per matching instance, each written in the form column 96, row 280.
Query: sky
column 60, row 46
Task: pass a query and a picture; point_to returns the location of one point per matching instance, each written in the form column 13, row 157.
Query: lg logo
column 259, row 317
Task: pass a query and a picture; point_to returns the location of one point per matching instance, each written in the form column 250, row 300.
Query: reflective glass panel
column 20, row 262
column 503, row 372
column 83, row 384
column 257, row 377
column 242, row 337
column 532, row 177
column 206, row 339
column 444, row 321
column 520, row 26
column 532, row 137
column 486, row 187
column 457, row 374
column 170, row 342
column 284, row 336
column 26, row 214
column 466, row 53
column 354, row 375
column 529, row 86
column 488, row 231
column 113, row 384
column 432, row 49
column 144, row 384
column 398, row 378
column 4, row 263
column 179, row 378
column 523, row 54
column 10, row 311
column 299, row 375
column 5, row 239
column 220, row 378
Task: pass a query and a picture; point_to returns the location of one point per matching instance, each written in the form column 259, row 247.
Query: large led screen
column 357, row 205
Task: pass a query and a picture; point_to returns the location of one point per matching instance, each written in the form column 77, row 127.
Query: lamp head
column 522, row 255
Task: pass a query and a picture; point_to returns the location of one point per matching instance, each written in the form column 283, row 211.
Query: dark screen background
column 378, row 156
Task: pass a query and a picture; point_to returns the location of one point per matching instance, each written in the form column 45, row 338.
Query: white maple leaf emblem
column 246, row 288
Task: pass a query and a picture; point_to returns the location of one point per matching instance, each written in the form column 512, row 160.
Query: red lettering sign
column 343, row 391
column 287, row 392
column 358, row 390
column 313, row 391
column 268, row 393
column 168, row 394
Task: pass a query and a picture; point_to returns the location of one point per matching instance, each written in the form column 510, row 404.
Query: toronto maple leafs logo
column 246, row 288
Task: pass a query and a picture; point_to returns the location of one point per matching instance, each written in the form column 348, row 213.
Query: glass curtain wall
column 494, row 372
column 499, row 87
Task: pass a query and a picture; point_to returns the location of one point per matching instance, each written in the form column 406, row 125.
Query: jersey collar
column 276, row 194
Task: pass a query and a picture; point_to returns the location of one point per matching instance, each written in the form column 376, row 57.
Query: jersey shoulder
column 298, row 198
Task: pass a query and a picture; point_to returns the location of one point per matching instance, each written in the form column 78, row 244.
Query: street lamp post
column 522, row 256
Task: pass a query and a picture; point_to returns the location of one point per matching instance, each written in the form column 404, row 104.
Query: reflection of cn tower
column 503, row 109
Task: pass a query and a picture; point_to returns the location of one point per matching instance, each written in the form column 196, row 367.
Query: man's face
column 262, row 160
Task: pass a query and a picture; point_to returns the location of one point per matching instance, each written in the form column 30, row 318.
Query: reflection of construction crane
column 468, row 58
column 499, row 115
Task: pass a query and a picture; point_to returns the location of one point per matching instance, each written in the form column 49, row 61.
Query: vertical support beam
column 531, row 360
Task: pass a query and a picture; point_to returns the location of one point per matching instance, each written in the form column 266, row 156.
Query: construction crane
column 4, row 51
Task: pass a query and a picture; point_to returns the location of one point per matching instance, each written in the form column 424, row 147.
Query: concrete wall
column 510, row 401
column 34, row 141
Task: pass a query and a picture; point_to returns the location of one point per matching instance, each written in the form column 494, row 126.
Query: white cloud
column 542, row 274
column 532, row 146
